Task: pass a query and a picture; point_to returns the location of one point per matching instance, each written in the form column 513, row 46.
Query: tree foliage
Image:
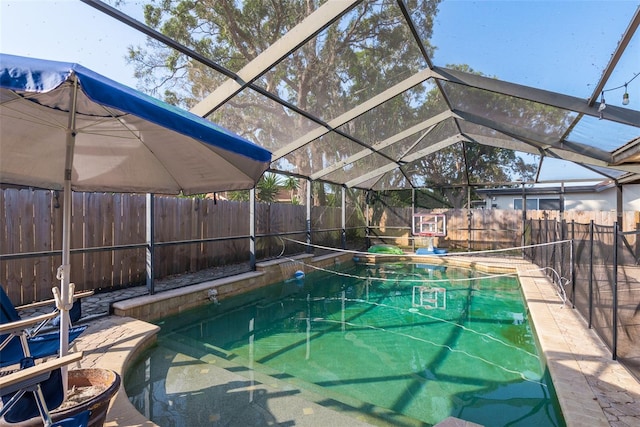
column 267, row 189
column 365, row 52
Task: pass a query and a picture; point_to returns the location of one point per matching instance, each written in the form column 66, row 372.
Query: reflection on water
column 414, row 342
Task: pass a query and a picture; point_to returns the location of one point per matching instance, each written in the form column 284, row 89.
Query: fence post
column 469, row 218
column 252, row 228
column 614, row 349
column 367, row 231
column 591, row 246
column 572, row 270
column 413, row 213
column 308, row 222
column 343, row 218
column 562, row 235
column 523, row 241
column 524, row 210
column 637, row 236
column 150, row 252
column 547, row 258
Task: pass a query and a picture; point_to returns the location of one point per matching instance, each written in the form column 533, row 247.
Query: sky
column 69, row 31
column 561, row 45
column 558, row 45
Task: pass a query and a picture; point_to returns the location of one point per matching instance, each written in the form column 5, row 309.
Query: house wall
column 601, row 201
column 631, row 197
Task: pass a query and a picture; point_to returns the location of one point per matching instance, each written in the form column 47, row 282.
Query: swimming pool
column 407, row 344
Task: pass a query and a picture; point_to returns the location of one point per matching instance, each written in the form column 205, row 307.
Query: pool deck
column 593, row 389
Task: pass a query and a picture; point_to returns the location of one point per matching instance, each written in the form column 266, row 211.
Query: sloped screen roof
column 386, row 94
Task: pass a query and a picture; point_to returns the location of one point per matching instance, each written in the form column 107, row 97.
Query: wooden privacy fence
column 31, row 222
column 108, row 237
column 485, row 229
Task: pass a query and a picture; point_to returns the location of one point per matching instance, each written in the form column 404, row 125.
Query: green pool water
column 406, row 344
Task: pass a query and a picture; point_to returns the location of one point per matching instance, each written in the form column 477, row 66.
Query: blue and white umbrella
column 68, row 128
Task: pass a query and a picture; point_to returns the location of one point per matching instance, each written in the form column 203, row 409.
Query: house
column 602, row 196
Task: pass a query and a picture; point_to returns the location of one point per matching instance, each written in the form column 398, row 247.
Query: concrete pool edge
column 588, row 382
column 153, row 307
column 590, row 386
column 114, row 343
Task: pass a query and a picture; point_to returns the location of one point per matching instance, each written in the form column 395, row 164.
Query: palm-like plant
column 291, row 183
column 268, row 188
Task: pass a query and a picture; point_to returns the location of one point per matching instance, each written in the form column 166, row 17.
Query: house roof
column 543, row 190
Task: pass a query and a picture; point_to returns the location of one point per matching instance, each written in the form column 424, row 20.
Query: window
column 549, row 204
column 533, row 203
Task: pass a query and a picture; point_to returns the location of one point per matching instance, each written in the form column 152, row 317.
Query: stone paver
column 592, row 388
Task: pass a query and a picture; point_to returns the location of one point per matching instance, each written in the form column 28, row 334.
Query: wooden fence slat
column 160, row 217
column 78, row 263
column 92, row 236
column 105, row 260
column 3, row 232
column 13, row 284
column 119, row 256
column 43, row 266
column 139, row 218
column 27, row 244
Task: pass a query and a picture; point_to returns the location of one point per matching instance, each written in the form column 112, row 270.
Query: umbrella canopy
column 63, row 126
column 124, row 140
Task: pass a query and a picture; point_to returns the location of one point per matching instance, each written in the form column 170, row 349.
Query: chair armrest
column 26, row 377
column 21, row 325
column 51, row 301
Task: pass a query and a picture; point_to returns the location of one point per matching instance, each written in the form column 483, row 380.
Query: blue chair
column 23, row 338
column 35, row 390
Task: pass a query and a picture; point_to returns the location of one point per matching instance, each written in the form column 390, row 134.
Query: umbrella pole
column 64, row 296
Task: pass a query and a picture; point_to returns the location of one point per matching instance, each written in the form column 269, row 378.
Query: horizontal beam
column 352, row 114
column 509, row 144
column 313, row 24
column 430, row 123
column 615, row 57
column 543, row 142
column 366, row 177
column 433, row 148
column 571, row 103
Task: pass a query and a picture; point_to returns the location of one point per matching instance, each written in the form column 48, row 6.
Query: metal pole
column 469, row 215
column 252, row 228
column 619, row 206
column 561, row 201
column 563, row 234
column 572, row 273
column 344, row 218
column 64, row 298
column 413, row 213
column 309, row 216
column 524, row 218
column 547, row 258
column 150, row 249
column 591, row 232
column 367, row 231
column 614, row 321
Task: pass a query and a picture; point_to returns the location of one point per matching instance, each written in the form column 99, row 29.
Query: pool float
column 427, row 251
column 385, row 249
